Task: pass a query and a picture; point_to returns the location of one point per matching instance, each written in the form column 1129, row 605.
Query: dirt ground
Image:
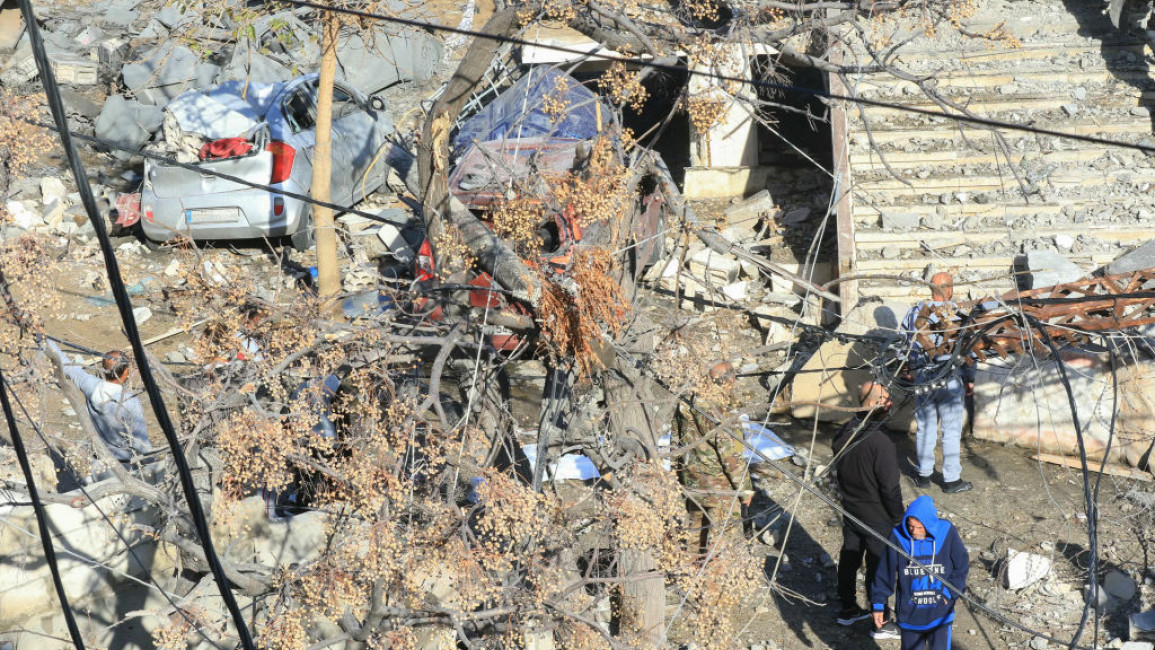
column 1017, row 503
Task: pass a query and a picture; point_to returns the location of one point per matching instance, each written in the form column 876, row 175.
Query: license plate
column 212, row 215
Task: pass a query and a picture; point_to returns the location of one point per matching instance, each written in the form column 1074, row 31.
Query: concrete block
column 720, row 269
column 738, row 291
column 1038, row 269
column 1024, row 569
column 724, row 182
column 73, row 69
column 746, row 213
column 1137, row 645
column 900, row 220
column 1136, row 259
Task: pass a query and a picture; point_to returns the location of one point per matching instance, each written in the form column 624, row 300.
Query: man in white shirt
column 116, row 414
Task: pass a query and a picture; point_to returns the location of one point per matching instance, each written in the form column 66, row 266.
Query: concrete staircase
column 970, row 206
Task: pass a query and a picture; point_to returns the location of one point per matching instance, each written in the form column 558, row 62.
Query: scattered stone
column 1024, row 569
column 900, row 220
column 827, row 561
column 51, row 189
column 1141, row 626
column 1038, row 643
column 1008, row 89
column 1080, row 93
column 141, row 315
column 737, row 291
column 708, row 263
column 1064, row 242
column 176, row 356
column 1119, row 585
column 1070, row 109
column 890, row 251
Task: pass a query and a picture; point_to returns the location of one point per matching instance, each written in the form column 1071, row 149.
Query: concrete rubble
column 1024, row 569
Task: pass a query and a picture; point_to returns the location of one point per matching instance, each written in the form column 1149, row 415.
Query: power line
column 41, row 517
column 124, row 305
column 677, row 69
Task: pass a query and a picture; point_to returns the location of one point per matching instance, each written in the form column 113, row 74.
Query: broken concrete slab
column 1038, row 269
column 745, row 214
column 127, row 123
column 1024, row 569
column 1136, row 259
column 51, row 189
column 1119, row 585
column 165, row 72
column 248, row 64
column 372, row 65
column 74, row 69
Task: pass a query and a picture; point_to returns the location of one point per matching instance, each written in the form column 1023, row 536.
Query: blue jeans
column 936, row 638
column 943, row 408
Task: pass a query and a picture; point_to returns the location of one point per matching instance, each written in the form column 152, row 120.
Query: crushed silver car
column 265, row 134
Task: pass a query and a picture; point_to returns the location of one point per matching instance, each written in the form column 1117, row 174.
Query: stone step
column 891, row 133
column 959, row 183
column 867, row 216
column 868, row 161
column 967, row 80
column 1108, row 232
column 1000, row 107
column 981, row 54
column 991, row 268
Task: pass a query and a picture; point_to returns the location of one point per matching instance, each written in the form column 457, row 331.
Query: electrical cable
column 103, row 515
column 675, row 69
column 1092, row 510
column 836, row 506
column 124, row 305
column 41, row 517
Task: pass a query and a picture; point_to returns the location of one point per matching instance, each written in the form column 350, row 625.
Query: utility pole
column 328, row 280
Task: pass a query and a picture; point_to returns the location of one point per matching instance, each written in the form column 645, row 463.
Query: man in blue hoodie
column 923, row 603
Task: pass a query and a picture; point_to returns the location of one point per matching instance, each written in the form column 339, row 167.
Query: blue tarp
column 517, row 113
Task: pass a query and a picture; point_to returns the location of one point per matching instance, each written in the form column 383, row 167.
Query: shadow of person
column 1122, row 50
column 802, row 584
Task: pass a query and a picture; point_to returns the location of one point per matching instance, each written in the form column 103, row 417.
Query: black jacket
column 868, row 473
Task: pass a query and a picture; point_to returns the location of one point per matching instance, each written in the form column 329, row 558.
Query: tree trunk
column 631, row 423
column 328, row 279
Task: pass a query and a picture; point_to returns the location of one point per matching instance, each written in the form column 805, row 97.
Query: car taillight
column 148, row 216
column 282, row 160
column 425, row 268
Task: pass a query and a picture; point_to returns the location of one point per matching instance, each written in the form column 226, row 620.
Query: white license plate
column 212, row 215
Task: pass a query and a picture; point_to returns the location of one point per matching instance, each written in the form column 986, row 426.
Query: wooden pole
column 328, row 279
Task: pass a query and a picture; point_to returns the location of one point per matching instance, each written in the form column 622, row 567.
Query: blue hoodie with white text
column 923, row 601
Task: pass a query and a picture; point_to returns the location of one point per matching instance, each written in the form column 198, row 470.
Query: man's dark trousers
column 936, row 638
column 856, row 547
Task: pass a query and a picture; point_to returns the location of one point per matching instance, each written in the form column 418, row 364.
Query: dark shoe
column 888, row 631
column 852, row 615
column 956, row 486
column 921, row 482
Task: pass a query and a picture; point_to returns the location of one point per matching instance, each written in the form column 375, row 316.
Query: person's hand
column 879, row 619
column 970, row 388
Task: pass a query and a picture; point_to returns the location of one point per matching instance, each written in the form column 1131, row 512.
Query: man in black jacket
column 868, row 477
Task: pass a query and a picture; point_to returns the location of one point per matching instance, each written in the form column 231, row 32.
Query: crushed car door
column 300, row 112
column 355, row 142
